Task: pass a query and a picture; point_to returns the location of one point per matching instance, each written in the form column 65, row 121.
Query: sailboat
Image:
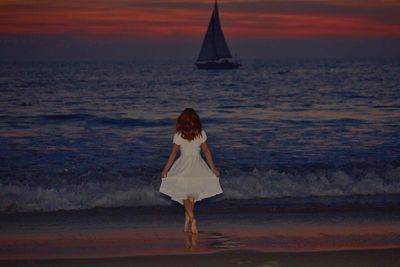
column 214, row 53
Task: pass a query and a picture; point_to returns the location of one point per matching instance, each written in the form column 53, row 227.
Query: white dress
column 190, row 174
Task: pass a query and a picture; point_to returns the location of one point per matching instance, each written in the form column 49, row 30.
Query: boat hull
column 217, row 65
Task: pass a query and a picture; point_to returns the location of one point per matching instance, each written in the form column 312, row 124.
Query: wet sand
column 130, row 237
column 365, row 258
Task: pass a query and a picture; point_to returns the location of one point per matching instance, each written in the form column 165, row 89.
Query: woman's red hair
column 188, row 124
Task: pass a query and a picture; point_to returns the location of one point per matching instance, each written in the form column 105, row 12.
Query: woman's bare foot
column 186, row 227
column 194, row 226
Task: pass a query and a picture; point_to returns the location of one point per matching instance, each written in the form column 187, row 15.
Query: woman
column 189, row 179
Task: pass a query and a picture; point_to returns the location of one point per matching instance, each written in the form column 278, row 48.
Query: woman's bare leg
column 193, row 219
column 187, row 206
column 187, row 222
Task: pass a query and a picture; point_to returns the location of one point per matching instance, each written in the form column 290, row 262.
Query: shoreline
column 236, row 257
column 110, row 234
column 288, row 204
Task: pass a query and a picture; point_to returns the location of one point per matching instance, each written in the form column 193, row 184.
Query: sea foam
column 237, row 185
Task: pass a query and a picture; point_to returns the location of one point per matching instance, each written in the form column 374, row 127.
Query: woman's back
column 190, row 148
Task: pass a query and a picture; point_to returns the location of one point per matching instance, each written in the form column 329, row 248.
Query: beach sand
column 143, row 237
column 365, row 258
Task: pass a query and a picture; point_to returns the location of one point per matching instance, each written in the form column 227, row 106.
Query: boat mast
column 214, row 31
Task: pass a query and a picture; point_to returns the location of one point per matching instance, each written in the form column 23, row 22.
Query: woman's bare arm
column 207, row 154
column 170, row 160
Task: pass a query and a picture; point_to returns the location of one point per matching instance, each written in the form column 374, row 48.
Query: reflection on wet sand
column 191, row 241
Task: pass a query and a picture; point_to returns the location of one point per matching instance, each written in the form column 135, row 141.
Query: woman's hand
column 216, row 172
column 170, row 160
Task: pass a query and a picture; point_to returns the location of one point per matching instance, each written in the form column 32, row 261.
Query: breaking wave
column 237, row 185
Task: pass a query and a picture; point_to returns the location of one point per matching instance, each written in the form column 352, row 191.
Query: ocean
column 285, row 134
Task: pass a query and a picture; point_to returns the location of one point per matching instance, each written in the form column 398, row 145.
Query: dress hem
column 201, row 196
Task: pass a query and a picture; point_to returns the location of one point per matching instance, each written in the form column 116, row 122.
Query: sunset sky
column 106, row 29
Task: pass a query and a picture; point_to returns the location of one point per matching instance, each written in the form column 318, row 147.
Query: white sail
column 214, row 46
